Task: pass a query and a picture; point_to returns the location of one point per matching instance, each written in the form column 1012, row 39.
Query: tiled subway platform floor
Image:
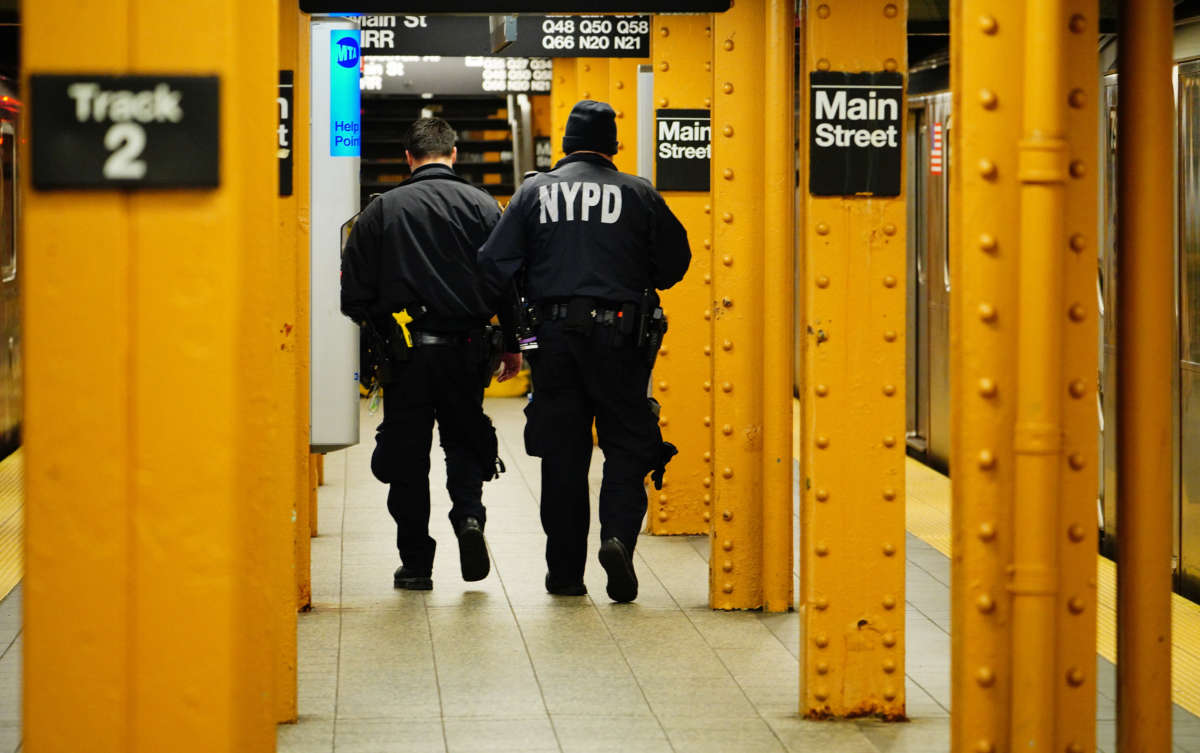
column 500, row 665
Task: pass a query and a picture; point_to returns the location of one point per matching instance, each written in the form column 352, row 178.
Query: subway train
column 929, row 156
column 10, row 289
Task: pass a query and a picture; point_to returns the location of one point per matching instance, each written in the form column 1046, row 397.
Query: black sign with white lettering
column 543, row 153
column 125, row 131
column 509, row 6
column 284, row 140
column 537, row 36
column 683, row 149
column 431, row 74
column 855, row 134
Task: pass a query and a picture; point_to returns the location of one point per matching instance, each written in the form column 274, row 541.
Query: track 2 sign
column 124, row 131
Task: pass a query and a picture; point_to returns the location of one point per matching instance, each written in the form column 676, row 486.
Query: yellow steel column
column 852, row 444
column 852, row 529
column 740, row 338
column 78, row 518
column 752, row 199
column 592, row 81
column 302, row 534
column 563, row 96
column 313, row 483
column 1042, row 172
column 1074, row 525
column 285, row 385
column 622, row 95
column 1145, row 326
column 1023, row 343
column 983, row 246
column 752, row 188
column 143, row 326
column 682, row 63
column 779, row 201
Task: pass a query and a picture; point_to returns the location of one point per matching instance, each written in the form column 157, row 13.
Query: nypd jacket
column 416, row 245
column 585, row 229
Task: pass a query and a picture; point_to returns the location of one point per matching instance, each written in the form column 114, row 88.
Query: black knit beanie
column 591, row 126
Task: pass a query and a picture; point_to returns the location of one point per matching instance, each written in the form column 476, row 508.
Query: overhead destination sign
column 683, row 149
column 537, row 36
column 508, row 7
column 94, row 131
column 855, row 145
column 429, row 74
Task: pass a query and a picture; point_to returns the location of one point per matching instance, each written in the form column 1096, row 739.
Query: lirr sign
column 855, row 147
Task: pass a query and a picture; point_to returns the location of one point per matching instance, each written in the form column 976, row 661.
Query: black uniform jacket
column 585, row 229
column 417, row 244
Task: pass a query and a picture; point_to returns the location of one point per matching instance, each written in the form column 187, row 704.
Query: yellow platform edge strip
column 928, row 518
column 12, row 521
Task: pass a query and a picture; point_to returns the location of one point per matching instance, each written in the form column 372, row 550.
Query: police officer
column 409, row 276
column 589, row 245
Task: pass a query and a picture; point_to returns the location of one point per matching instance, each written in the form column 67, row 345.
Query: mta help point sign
column 345, row 97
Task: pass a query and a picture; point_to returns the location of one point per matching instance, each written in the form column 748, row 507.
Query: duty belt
column 429, row 338
column 556, row 311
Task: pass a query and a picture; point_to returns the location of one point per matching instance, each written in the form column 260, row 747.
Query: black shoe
column 405, row 578
column 622, row 581
column 472, row 551
column 565, row 589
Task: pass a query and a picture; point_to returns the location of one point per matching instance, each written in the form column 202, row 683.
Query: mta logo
column 347, row 52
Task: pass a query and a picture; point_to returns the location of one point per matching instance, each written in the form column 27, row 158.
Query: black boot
column 565, row 589
column 412, row 580
column 472, row 551
column 618, row 563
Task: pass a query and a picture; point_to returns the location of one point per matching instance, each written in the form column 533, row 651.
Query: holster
column 387, row 348
column 486, row 448
column 656, row 330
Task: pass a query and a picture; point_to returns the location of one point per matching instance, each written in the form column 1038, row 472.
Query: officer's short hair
column 429, row 137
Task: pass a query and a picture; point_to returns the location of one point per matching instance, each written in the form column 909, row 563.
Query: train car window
column 8, row 195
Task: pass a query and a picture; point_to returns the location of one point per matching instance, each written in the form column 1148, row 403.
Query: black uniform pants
column 578, row 378
column 443, row 383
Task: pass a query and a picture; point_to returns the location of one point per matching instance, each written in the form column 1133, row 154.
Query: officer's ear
column 408, row 158
column 453, row 154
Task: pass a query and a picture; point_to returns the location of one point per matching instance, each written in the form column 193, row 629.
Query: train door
column 10, row 378
column 917, row 355
column 936, row 171
column 1108, row 328
column 928, row 355
column 1188, row 511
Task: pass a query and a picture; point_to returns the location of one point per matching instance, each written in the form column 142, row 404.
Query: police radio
column 527, row 324
column 652, row 327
